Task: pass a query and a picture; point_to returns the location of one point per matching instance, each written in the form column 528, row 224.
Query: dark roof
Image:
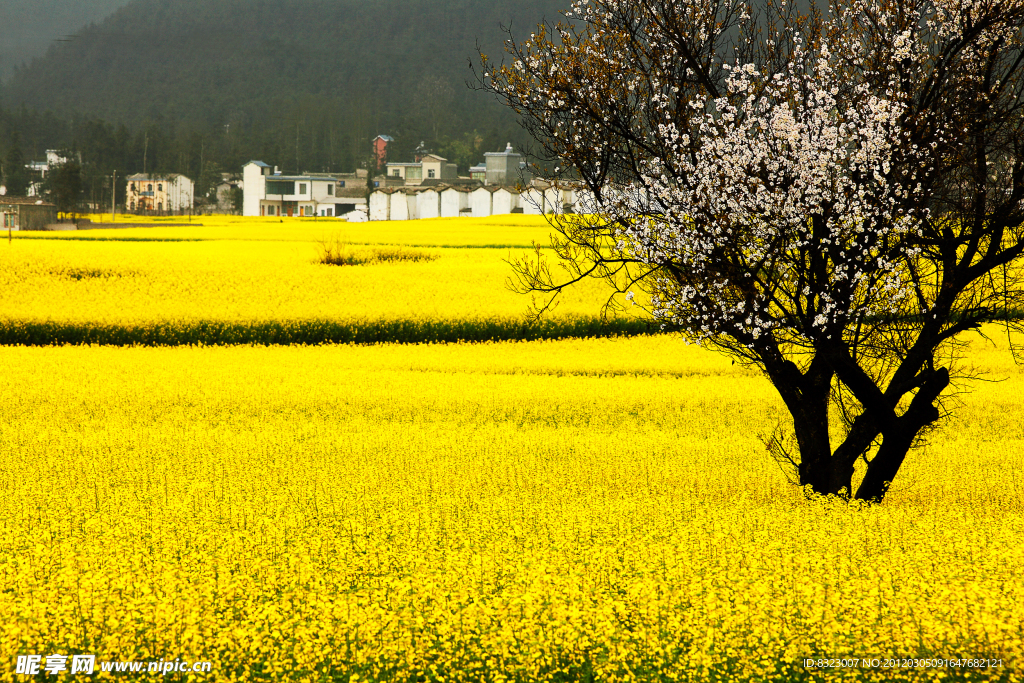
column 321, row 176
column 434, row 182
column 155, row 176
column 4, row 199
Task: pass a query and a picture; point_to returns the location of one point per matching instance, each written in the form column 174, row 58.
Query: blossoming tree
column 833, row 195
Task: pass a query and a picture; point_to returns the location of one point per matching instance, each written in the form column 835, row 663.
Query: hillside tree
column 833, row 196
column 15, row 174
column 63, row 184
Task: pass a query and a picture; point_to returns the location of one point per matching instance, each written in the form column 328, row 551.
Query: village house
column 267, row 192
column 38, row 170
column 152, row 193
column 504, row 168
column 225, row 194
column 26, row 213
column 429, row 167
column 380, row 149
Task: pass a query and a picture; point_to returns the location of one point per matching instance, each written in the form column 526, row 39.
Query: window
column 132, row 187
column 430, row 173
column 149, row 187
column 160, row 187
column 396, row 174
column 133, row 205
column 376, row 183
column 302, row 188
column 330, row 190
column 280, row 187
column 341, row 183
column 159, row 206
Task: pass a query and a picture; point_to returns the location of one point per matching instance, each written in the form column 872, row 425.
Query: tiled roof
column 155, row 176
column 4, row 199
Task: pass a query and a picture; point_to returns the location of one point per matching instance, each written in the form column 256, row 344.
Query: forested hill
column 29, row 27
column 291, row 75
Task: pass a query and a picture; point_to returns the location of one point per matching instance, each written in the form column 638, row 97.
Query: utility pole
column 113, row 197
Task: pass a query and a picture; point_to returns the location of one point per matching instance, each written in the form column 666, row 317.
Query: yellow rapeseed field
column 249, row 272
column 571, row 510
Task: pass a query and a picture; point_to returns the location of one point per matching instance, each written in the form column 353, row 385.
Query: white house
column 438, row 167
column 254, row 187
column 39, row 169
column 274, row 194
column 429, row 167
column 410, row 172
column 160, row 193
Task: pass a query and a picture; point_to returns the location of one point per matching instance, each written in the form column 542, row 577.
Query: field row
column 495, row 232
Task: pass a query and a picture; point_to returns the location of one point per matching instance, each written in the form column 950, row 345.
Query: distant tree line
column 198, row 88
column 203, row 154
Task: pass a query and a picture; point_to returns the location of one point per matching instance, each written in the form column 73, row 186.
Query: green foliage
column 30, row 26
column 209, row 178
column 47, row 333
column 303, row 84
column 64, row 186
column 237, row 196
column 15, row 174
column 338, row 253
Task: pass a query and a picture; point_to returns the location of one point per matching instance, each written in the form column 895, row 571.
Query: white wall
column 254, row 189
column 179, row 194
column 480, row 201
column 533, row 202
column 399, row 207
column 453, row 202
column 552, row 200
column 503, row 202
column 428, row 204
column 380, row 209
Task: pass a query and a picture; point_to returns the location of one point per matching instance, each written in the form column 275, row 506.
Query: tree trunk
column 819, row 468
column 897, row 440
